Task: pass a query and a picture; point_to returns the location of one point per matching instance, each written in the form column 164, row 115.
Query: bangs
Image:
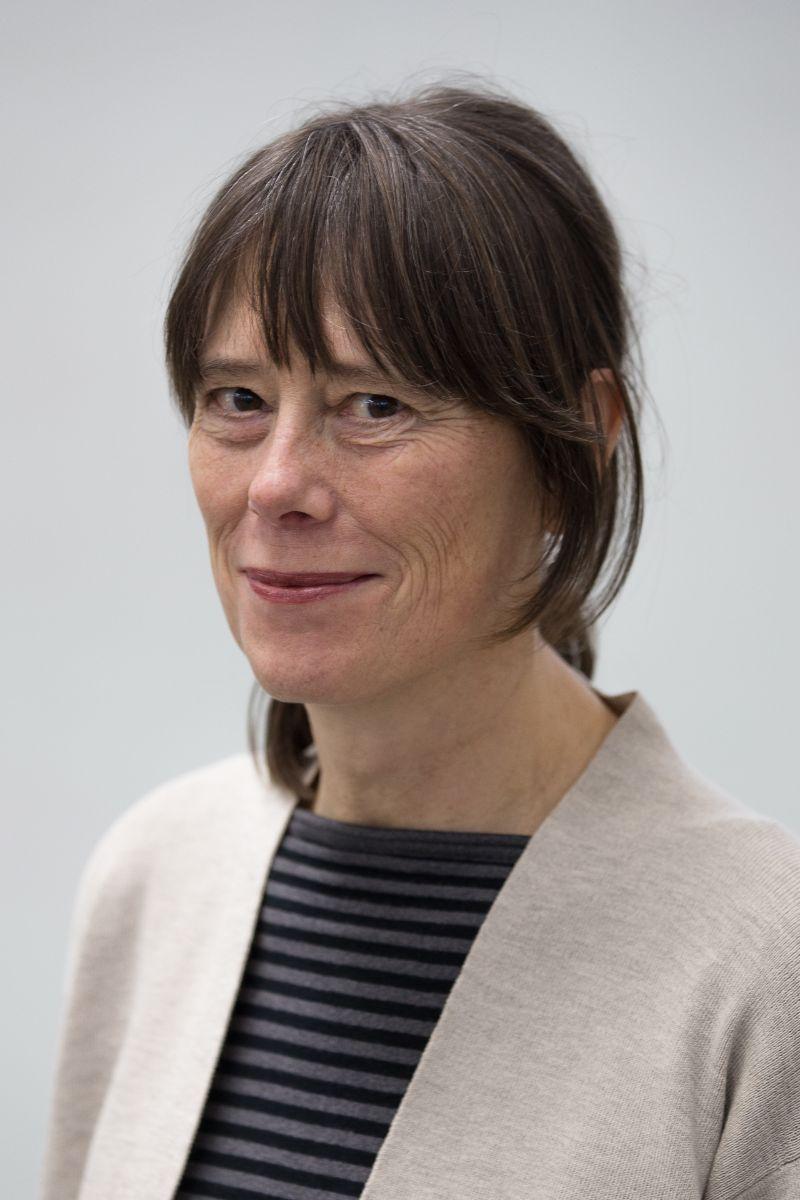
column 377, row 224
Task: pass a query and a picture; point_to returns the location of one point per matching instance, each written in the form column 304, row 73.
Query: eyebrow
column 217, row 368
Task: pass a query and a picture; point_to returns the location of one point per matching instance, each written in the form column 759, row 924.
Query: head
column 401, row 345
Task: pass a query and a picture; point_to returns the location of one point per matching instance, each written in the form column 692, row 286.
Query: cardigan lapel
column 199, row 913
column 448, row 1138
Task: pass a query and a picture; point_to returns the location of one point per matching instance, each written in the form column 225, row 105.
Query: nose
column 291, row 482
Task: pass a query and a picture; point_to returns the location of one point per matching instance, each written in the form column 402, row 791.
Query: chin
column 317, row 683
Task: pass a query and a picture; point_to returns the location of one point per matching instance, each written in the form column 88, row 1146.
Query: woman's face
column 360, row 474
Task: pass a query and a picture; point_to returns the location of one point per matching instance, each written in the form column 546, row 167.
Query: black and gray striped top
column 361, row 934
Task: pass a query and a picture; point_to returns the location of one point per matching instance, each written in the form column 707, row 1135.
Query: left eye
column 378, row 405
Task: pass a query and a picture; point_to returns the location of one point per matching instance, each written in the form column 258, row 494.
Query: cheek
column 446, row 525
column 216, row 487
column 492, row 512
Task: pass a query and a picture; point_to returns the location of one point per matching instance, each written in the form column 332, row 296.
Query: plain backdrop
column 120, row 119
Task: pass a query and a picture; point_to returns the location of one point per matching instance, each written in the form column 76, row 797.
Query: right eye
column 234, row 402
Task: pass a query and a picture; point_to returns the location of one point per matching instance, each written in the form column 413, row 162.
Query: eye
column 378, row 406
column 235, row 401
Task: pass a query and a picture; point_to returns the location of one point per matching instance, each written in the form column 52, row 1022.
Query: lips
column 300, row 578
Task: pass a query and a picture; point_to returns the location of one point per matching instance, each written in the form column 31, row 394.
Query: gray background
column 120, row 119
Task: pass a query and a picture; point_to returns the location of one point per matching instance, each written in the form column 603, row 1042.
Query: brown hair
column 473, row 254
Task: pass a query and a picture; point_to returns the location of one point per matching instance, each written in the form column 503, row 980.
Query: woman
column 478, row 931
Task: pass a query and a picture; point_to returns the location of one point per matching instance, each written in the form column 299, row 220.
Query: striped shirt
column 361, row 934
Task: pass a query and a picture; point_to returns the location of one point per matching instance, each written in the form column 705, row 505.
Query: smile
column 304, row 593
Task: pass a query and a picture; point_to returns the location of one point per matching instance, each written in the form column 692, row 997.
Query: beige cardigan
column 626, row 1025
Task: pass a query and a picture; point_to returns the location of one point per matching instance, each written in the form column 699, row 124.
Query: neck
column 487, row 745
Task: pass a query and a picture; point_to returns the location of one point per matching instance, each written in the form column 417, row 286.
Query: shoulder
column 730, row 874
column 717, row 837
column 173, row 821
column 748, row 862
column 718, row 871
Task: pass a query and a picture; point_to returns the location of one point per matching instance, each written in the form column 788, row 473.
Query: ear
column 612, row 411
column 609, row 399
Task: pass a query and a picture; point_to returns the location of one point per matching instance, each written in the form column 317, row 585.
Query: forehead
column 237, row 333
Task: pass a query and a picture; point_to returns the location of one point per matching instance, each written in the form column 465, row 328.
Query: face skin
column 415, row 720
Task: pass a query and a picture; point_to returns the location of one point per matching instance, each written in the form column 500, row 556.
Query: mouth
column 290, row 579
column 293, row 588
